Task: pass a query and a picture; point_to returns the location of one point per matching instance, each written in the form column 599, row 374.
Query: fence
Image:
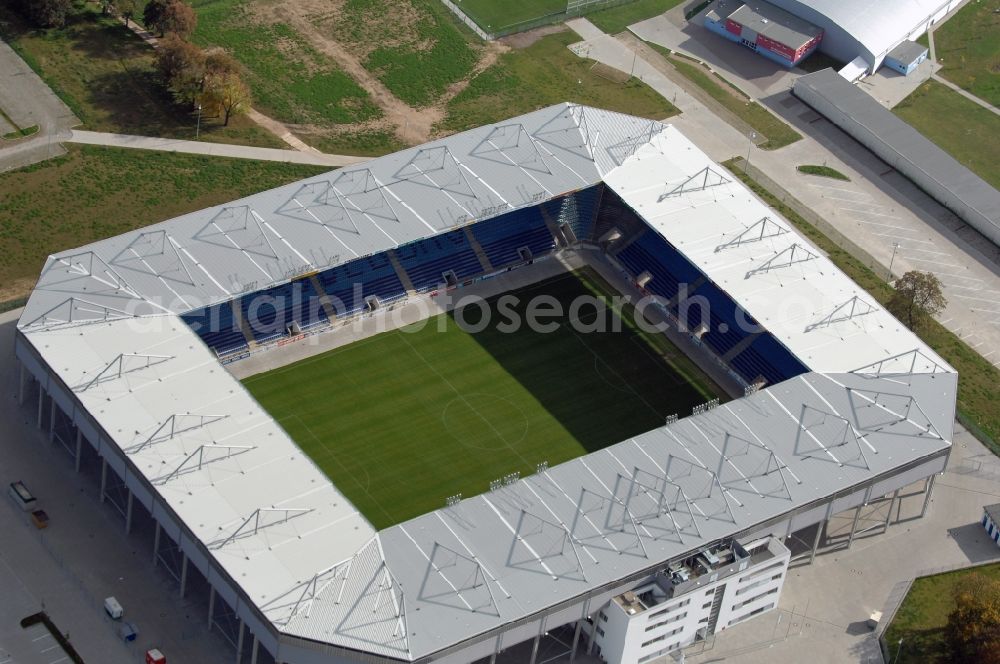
column 814, row 219
column 468, row 21
column 899, row 592
column 573, row 8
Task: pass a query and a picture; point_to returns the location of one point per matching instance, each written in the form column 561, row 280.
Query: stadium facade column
column 253, row 650
column 20, row 386
column 128, row 512
column 41, row 403
column 857, row 517
column 79, row 448
column 496, row 648
column 576, row 630
column 52, row 421
column 928, row 489
column 239, row 642
column 892, row 501
column 590, row 637
column 104, row 476
column 184, row 573
column 156, row 544
column 211, row 606
column 538, row 638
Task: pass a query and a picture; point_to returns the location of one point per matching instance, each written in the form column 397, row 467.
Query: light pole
column 197, row 131
column 899, row 646
column 895, row 248
column 752, row 135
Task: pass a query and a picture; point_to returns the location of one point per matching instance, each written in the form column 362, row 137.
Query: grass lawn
column 822, row 171
column 923, row 616
column 968, row 48
column 360, row 142
column 971, row 134
column 94, row 192
column 978, row 382
column 616, row 19
column 106, row 75
column 542, row 74
column 778, row 133
column 495, row 15
column 291, row 80
column 415, row 47
column 404, row 419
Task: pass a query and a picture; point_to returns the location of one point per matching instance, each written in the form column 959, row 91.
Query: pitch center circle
column 485, row 421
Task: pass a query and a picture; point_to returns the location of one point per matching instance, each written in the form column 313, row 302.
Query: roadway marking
column 981, row 299
column 904, row 228
column 959, row 276
column 874, row 214
column 928, row 251
column 897, row 237
column 928, row 260
column 826, row 186
column 978, row 290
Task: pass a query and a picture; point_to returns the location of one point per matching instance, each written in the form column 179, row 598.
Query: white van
column 113, row 608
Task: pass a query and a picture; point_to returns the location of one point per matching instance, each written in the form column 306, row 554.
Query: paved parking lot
column 824, row 606
column 82, row 557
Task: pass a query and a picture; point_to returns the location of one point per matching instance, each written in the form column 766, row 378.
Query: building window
column 669, row 620
column 603, row 616
column 754, row 599
column 672, row 607
column 600, row 631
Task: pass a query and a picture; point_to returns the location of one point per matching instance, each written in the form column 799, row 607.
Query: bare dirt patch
column 321, row 24
column 525, row 39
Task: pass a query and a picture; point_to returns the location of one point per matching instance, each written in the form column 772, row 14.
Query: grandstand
column 121, row 342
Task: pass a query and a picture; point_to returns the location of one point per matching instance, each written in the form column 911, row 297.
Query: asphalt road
column 29, row 101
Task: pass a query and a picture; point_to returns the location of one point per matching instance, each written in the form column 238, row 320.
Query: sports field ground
column 404, row 419
column 492, row 15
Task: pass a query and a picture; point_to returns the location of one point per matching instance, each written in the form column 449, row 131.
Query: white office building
column 708, row 592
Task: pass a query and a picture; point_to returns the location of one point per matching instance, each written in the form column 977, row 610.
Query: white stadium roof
column 104, row 319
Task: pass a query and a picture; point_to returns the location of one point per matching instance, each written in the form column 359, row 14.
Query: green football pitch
column 401, row 420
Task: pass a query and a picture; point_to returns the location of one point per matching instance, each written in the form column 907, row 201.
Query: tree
column 126, row 9
column 917, row 296
column 182, row 66
column 220, row 63
column 152, row 15
column 178, row 18
column 973, row 630
column 226, row 95
column 47, row 13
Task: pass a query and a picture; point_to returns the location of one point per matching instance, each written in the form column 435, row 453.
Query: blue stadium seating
column 669, row 269
column 217, row 328
column 578, row 209
column 426, row 260
column 269, row 312
column 723, row 312
column 374, row 275
column 502, row 236
column 767, row 357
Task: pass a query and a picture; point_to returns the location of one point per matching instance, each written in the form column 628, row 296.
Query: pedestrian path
column 212, row 149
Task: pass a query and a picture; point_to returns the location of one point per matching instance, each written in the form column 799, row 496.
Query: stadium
column 377, row 490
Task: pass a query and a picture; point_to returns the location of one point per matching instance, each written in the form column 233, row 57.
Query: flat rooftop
column 186, row 435
column 768, row 20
